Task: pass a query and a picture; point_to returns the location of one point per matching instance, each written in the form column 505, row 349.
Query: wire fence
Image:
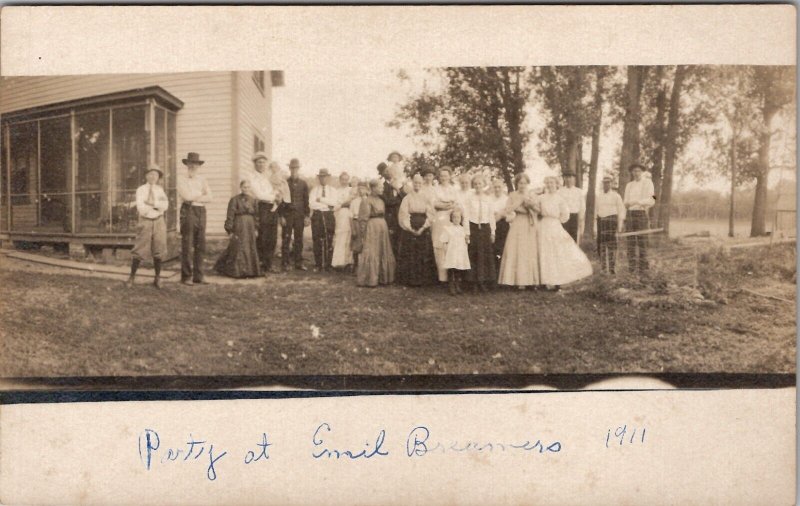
column 650, row 253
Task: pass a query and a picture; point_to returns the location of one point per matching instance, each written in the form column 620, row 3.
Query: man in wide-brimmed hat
column 576, row 204
column 610, row 212
column 639, row 198
column 268, row 204
column 296, row 215
column 151, row 236
column 195, row 193
column 322, row 200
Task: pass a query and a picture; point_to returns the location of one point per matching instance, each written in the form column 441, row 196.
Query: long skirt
column 500, row 234
column 342, row 254
column 240, row 258
column 481, row 254
column 439, row 248
column 376, row 262
column 520, row 262
column 561, row 261
column 415, row 263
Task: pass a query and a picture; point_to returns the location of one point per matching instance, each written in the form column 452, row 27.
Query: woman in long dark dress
column 376, row 262
column 240, row 258
column 415, row 263
column 499, row 201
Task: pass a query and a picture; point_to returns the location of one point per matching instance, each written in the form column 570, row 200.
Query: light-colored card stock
column 592, row 448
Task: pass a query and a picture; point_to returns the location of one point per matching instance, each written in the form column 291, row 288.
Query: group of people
column 434, row 227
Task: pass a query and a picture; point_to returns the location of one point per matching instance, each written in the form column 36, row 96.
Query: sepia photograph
column 285, row 226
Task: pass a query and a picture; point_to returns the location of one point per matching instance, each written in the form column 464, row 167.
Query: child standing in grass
column 456, row 255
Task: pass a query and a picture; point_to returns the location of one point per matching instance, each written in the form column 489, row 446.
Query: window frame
column 259, row 78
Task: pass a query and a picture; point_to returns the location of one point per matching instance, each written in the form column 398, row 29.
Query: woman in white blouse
column 561, row 261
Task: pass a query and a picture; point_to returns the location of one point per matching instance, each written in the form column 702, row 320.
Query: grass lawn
column 68, row 325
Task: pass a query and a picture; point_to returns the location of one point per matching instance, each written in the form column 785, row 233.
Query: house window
column 75, row 168
column 258, row 144
column 258, row 78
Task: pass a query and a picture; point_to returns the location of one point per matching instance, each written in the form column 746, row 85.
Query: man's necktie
column 151, row 200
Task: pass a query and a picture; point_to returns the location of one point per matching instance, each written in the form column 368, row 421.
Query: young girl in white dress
column 561, row 261
column 456, row 255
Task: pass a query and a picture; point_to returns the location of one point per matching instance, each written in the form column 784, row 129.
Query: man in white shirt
column 151, row 238
column 576, row 204
column 639, row 198
column 322, row 199
column 610, row 218
column 268, row 203
column 195, row 193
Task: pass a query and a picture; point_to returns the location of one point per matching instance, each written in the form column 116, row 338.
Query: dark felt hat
column 323, row 173
column 193, row 158
column 294, row 163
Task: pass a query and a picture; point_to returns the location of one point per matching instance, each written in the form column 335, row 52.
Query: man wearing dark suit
column 294, row 216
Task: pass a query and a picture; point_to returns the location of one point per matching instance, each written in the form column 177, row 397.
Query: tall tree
column 671, row 147
column 564, row 94
column 629, row 153
column 772, row 87
column 597, row 125
column 476, row 118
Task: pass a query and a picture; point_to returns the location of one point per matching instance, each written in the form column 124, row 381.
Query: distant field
column 679, row 227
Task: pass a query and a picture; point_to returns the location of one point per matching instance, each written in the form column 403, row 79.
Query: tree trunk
column 670, row 147
column 588, row 229
column 732, row 211
column 512, row 105
column 758, row 225
column 657, row 170
column 572, row 154
column 630, row 128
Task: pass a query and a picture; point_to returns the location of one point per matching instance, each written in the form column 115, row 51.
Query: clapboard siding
column 205, row 124
column 254, row 118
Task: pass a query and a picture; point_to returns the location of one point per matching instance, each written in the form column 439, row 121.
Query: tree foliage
column 476, row 119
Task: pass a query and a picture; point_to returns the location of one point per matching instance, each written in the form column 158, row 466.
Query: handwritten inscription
column 151, row 452
column 622, row 436
column 419, row 444
column 326, row 444
column 370, row 449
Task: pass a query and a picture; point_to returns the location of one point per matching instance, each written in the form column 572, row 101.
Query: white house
column 74, row 148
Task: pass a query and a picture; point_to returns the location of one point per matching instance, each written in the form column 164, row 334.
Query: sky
column 338, row 120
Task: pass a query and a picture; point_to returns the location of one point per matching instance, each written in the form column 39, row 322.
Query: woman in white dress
column 446, row 196
column 561, row 261
column 342, row 254
column 520, row 262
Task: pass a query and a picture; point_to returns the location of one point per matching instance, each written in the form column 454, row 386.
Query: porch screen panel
column 3, row 180
column 92, row 196
column 24, row 176
column 170, row 184
column 129, row 151
column 56, row 158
